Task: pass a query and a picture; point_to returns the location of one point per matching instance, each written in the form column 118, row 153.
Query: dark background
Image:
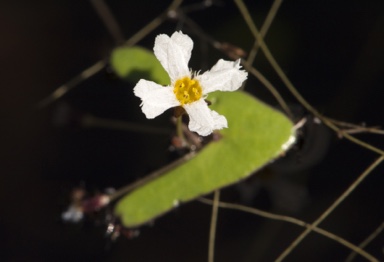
column 331, row 50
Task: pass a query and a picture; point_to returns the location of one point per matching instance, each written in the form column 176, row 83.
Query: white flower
column 188, row 90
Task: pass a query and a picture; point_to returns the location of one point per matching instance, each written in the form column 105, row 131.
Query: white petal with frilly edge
column 224, row 76
column 184, row 42
column 174, row 53
column 203, row 120
column 155, row 98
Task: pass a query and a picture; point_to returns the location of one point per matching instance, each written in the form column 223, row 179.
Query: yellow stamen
column 187, row 90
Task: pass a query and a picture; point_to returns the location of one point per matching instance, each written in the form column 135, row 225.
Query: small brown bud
column 232, row 51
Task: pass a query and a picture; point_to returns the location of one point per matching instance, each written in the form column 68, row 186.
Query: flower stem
column 179, row 130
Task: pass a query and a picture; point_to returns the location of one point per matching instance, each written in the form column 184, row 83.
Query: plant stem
column 212, row 231
column 179, row 130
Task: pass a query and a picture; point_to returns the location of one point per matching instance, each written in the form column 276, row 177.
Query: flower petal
column 174, row 53
column 203, row 120
column 155, row 98
column 224, row 76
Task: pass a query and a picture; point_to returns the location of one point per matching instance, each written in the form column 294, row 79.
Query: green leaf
column 257, row 134
column 135, row 63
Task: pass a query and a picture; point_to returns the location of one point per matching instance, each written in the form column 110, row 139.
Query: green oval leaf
column 257, row 134
column 135, row 63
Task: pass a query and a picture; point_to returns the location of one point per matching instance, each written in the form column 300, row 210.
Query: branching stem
column 292, row 220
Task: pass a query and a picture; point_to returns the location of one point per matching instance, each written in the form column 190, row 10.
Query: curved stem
column 212, row 231
column 331, row 208
column 95, row 68
column 264, row 29
column 247, row 17
column 366, row 241
column 179, row 130
column 62, row 90
column 295, row 221
column 270, row 87
column 108, row 19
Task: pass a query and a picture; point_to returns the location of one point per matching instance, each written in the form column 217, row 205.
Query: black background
column 331, row 50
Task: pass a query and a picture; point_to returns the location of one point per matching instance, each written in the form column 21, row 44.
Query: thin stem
column 199, row 6
column 90, row 121
column 345, row 124
column 264, row 29
column 95, row 68
column 294, row 91
column 332, row 207
column 197, row 29
column 179, row 130
column 366, row 241
column 243, row 9
column 270, row 87
column 353, row 128
column 124, row 190
column 212, row 231
column 216, row 44
column 295, row 221
column 109, row 20
column 62, row 90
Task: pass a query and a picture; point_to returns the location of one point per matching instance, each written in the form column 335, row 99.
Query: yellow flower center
column 187, row 90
